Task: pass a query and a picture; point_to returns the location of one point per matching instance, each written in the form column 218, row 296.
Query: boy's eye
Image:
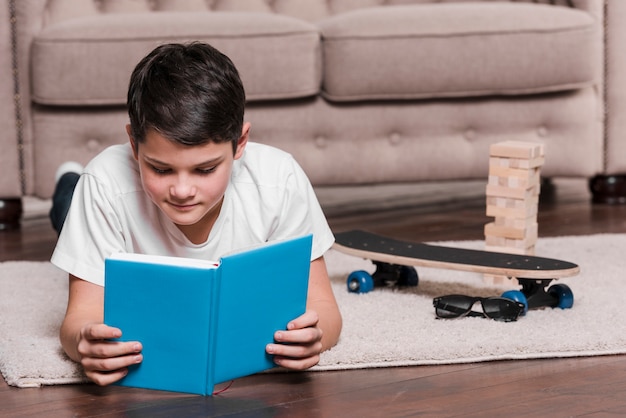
column 201, row 171
column 160, row 170
column 206, row 170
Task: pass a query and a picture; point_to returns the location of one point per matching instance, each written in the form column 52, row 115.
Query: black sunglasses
column 457, row 306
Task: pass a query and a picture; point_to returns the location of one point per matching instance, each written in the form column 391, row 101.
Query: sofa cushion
column 88, row 61
column 457, row 50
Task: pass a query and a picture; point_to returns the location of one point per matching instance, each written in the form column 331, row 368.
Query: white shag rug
column 382, row 328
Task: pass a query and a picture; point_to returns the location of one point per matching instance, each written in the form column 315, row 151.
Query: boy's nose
column 182, row 189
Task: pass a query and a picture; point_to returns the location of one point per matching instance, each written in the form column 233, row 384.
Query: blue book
column 202, row 323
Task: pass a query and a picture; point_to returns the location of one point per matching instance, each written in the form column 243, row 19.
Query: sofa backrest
column 309, row 10
column 40, row 21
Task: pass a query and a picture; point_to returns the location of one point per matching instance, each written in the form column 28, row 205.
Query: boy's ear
column 133, row 145
column 243, row 140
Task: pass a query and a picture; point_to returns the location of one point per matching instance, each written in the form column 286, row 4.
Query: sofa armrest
column 615, row 88
column 10, row 159
column 12, row 180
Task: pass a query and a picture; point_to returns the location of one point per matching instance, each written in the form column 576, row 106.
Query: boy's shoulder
column 265, row 165
column 118, row 154
column 259, row 150
column 264, row 156
column 115, row 166
column 263, row 161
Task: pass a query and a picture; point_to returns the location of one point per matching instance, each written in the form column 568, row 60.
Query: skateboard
column 396, row 261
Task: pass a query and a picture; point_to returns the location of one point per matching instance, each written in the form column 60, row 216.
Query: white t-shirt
column 269, row 198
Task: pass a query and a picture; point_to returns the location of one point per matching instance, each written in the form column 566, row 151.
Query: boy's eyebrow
column 212, row 161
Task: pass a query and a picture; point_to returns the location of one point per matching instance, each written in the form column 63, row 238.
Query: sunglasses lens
column 502, row 309
column 452, row 306
column 498, row 308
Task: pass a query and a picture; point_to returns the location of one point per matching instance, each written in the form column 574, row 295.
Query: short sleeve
column 301, row 211
column 92, row 232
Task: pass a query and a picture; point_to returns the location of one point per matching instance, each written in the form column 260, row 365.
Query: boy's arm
column 85, row 338
column 85, row 305
column 321, row 299
column 299, row 347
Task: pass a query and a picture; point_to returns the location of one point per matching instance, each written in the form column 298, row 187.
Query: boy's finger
column 297, row 364
column 105, row 349
column 301, row 336
column 293, row 351
column 109, row 365
column 308, row 319
column 103, row 379
column 101, row 332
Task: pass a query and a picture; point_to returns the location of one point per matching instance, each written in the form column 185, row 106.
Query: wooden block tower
column 512, row 198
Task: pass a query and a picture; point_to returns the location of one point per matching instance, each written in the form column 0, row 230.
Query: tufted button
column 394, row 138
column 320, row 142
column 93, row 145
column 542, row 131
column 470, row 134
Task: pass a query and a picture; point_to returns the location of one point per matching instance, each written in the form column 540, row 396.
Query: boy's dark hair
column 189, row 93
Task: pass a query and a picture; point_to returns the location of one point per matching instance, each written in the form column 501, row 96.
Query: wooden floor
column 588, row 387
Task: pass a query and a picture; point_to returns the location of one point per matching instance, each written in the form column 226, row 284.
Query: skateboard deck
column 392, row 256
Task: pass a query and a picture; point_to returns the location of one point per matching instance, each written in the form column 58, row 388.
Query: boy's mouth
column 183, row 207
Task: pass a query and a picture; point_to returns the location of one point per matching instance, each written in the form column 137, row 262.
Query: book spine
column 213, row 332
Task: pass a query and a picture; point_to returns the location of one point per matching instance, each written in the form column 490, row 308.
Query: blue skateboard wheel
column 360, row 281
column 564, row 294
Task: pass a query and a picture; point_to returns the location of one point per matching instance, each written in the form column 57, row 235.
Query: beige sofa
column 359, row 91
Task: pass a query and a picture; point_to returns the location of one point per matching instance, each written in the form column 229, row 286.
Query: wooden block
column 522, row 245
column 515, row 222
column 509, row 202
column 521, row 173
column 517, row 149
column 515, row 182
column 516, row 213
column 527, row 224
column 519, row 193
column 491, row 229
column 493, row 241
column 516, row 162
column 500, row 178
column 534, row 163
column 492, row 279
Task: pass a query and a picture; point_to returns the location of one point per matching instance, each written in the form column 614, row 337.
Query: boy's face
column 187, row 182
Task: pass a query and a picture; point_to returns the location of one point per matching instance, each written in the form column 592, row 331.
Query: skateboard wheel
column 408, row 276
column 564, row 295
column 360, row 281
column 517, row 296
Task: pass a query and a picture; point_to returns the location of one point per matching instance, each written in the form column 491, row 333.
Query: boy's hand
column 106, row 361
column 300, row 346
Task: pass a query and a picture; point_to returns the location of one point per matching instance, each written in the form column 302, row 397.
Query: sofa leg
column 10, row 213
column 608, row 189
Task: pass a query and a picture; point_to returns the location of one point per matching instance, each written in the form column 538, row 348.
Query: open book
column 202, row 323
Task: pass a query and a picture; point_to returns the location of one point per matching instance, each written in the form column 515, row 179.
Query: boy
column 188, row 184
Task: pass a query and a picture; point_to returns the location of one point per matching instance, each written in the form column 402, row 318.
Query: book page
column 165, row 260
